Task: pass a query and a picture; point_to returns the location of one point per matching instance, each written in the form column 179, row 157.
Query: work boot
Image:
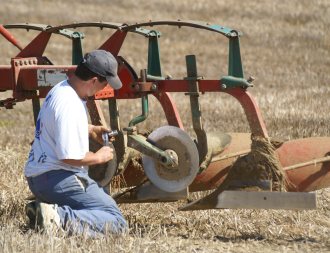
column 47, row 218
column 30, row 211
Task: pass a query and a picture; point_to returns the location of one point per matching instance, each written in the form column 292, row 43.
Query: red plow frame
column 30, row 75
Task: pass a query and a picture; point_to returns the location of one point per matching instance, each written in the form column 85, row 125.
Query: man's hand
column 95, row 132
column 105, row 154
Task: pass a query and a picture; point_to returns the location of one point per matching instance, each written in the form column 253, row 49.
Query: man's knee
column 119, row 226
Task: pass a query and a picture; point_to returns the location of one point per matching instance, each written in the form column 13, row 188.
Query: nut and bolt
column 136, row 87
column 174, row 159
column 250, row 79
column 153, row 87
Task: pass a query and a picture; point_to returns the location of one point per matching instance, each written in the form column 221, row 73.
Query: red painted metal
column 37, row 46
column 252, row 111
column 216, row 172
column 5, row 33
column 114, row 43
column 21, row 78
column 307, row 178
column 106, row 92
column 6, row 76
column 26, row 75
column 169, row 108
column 311, row 177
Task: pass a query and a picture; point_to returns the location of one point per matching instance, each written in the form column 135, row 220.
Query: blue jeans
column 83, row 206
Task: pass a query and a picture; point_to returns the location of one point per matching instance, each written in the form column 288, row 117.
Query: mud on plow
column 245, row 170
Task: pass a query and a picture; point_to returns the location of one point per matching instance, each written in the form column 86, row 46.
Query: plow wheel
column 181, row 147
column 102, row 173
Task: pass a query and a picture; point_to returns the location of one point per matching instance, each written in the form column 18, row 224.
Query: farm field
column 285, row 46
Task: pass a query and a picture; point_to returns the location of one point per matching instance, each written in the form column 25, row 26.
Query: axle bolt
column 174, row 159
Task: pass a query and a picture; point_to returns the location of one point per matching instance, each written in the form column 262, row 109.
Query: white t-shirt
column 61, row 132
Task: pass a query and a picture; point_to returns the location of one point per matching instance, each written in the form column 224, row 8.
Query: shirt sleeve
column 71, row 131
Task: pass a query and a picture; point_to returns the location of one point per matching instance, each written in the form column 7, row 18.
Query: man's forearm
column 89, row 159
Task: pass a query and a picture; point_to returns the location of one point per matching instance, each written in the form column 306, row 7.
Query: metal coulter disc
column 177, row 178
column 102, row 173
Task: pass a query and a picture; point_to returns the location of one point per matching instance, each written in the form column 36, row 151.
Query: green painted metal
column 195, row 107
column 155, row 78
column 144, row 103
column 145, row 111
column 77, row 52
column 235, row 67
column 119, row 142
column 154, row 67
column 146, row 32
column 68, row 33
column 114, row 114
column 232, row 82
column 228, row 32
column 140, row 143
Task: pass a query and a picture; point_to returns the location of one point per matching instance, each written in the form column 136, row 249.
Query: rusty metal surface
column 27, row 26
column 228, row 32
column 209, row 178
column 42, row 28
column 308, row 178
column 111, row 25
column 217, row 171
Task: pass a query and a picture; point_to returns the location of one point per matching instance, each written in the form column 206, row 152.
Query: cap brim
column 114, row 82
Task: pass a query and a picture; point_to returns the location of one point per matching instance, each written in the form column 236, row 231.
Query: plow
column 238, row 170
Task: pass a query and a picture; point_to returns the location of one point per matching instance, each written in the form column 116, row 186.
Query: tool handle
column 106, row 136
